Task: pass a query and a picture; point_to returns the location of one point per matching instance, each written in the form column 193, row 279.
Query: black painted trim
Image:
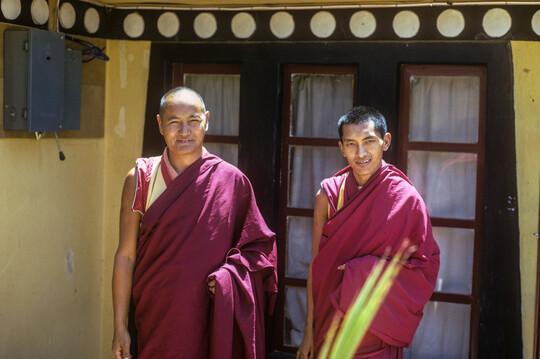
column 111, row 23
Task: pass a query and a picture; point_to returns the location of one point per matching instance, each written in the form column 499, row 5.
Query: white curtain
column 295, row 315
column 308, row 167
column 317, row 103
column 446, row 181
column 444, row 109
column 227, row 151
column 443, row 333
column 221, row 94
column 457, row 254
column 298, row 246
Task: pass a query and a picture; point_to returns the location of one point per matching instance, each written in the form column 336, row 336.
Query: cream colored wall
column 526, row 57
column 58, row 228
column 51, row 240
column 127, row 76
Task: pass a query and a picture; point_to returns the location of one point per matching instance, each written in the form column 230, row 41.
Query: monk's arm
column 320, row 215
column 124, row 259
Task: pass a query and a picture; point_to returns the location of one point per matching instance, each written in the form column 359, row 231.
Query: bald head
column 181, row 95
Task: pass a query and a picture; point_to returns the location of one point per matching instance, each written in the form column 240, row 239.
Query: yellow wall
column 51, row 239
column 59, row 219
column 526, row 57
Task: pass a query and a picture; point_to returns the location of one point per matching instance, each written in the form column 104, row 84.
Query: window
column 314, row 97
column 442, row 151
column 219, row 85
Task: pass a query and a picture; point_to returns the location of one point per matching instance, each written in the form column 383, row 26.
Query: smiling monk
column 359, row 212
column 194, row 252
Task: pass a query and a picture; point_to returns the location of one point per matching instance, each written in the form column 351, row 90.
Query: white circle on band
column 282, row 24
column 496, row 22
column 535, row 23
column 91, row 20
column 67, row 15
column 243, row 25
column 450, row 23
column 40, row 11
column 205, row 25
column 168, row 24
column 11, row 9
column 363, row 24
column 406, row 24
column 323, row 24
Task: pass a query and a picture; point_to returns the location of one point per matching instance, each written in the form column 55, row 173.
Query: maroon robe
column 205, row 225
column 382, row 214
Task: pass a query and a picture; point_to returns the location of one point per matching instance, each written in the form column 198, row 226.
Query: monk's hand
column 121, row 343
column 305, row 351
column 212, row 286
column 341, row 267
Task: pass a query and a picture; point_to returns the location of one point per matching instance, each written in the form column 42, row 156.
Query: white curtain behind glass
column 309, row 166
column 295, row 315
column 457, row 247
column 443, row 333
column 317, row 103
column 446, row 181
column 444, row 108
column 221, row 94
column 298, row 246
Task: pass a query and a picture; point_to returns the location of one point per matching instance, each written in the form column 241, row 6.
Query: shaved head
column 182, row 95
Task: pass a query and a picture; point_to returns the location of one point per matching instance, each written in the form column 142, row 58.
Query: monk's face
column 363, row 148
column 183, row 124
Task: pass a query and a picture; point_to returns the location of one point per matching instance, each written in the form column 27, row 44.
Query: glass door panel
column 318, row 100
column 298, row 246
column 443, row 333
column 446, row 181
column 308, row 167
column 444, row 109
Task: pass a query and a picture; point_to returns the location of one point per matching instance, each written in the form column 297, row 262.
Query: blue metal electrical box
column 41, row 82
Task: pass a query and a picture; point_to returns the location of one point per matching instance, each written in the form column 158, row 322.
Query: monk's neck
column 362, row 179
column 182, row 161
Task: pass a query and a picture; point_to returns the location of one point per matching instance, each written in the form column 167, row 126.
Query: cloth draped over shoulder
column 204, row 225
column 382, row 214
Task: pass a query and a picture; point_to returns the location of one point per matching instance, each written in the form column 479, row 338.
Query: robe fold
column 204, row 225
column 382, row 214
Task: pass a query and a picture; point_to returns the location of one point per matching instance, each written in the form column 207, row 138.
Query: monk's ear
column 387, row 140
column 159, row 123
column 207, row 117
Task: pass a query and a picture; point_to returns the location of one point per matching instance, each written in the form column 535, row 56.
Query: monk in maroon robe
column 195, row 254
column 361, row 212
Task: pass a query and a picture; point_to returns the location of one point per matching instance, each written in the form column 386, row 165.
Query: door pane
column 298, row 246
column 295, row 315
column 228, row 152
column 308, row 167
column 446, row 181
column 444, row 108
column 221, row 94
column 443, row 333
column 457, row 254
column 318, row 101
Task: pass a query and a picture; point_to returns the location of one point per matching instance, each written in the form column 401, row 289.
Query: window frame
column 478, row 148
column 284, row 210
